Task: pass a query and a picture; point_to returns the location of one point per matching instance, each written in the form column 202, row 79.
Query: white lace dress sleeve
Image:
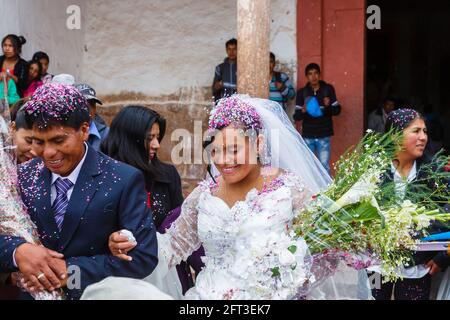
column 176, row 245
column 181, row 239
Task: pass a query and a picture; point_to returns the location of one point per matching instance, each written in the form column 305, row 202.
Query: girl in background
column 34, row 78
column 44, row 59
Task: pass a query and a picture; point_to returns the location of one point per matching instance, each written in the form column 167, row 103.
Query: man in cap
column 98, row 130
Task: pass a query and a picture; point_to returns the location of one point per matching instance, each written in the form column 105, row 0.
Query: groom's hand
column 119, row 245
column 55, row 263
column 40, row 267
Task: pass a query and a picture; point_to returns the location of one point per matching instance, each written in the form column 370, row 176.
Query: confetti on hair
column 401, row 118
column 234, row 110
column 55, row 102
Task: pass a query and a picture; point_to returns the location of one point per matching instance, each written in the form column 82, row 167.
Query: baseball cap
column 88, row 92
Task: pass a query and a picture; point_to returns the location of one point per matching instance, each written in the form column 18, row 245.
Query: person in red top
column 11, row 64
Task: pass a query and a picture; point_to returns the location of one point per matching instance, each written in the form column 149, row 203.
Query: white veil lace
column 284, row 147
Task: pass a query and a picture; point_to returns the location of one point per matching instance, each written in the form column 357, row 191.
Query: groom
column 76, row 197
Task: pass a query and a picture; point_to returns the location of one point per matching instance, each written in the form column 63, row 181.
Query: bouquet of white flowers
column 360, row 219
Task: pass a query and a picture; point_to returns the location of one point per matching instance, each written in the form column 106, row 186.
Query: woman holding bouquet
column 408, row 174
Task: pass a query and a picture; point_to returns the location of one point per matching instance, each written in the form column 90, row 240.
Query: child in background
column 44, row 59
column 34, row 78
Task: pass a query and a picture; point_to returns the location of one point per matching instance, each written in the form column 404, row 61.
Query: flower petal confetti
column 234, row 110
column 55, row 102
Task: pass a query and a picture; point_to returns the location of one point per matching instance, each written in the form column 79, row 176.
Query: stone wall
column 158, row 53
column 181, row 110
column 162, row 54
column 43, row 24
column 157, row 47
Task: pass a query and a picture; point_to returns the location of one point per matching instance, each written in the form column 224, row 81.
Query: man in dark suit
column 77, row 197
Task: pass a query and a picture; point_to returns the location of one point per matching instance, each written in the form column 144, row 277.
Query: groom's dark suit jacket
column 108, row 196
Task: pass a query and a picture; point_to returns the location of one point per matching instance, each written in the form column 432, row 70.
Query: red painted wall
column 332, row 33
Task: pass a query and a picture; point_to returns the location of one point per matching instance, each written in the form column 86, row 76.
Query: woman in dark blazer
column 407, row 175
column 135, row 137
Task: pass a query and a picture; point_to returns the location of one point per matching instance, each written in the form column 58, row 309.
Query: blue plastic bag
column 313, row 108
column 438, row 236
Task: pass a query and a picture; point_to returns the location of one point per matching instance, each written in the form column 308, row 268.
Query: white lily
column 364, row 188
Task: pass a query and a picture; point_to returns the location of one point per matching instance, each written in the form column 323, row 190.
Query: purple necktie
column 60, row 204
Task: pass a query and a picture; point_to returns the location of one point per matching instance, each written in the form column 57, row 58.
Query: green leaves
column 275, row 272
column 366, row 212
column 293, row 249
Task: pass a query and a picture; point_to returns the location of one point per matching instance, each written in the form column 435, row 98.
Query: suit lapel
column 43, row 213
column 83, row 192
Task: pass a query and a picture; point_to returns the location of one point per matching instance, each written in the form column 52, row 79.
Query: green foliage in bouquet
column 361, row 217
column 374, row 151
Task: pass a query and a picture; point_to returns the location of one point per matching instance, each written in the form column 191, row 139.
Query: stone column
column 253, row 25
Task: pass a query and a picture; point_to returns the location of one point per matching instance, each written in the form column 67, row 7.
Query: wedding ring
column 41, row 275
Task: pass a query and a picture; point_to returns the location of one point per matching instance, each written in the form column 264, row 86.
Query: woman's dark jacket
column 441, row 258
column 165, row 192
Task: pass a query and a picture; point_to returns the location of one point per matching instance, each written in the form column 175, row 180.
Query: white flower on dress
column 286, row 257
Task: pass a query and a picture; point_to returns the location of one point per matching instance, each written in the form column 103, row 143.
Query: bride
column 262, row 175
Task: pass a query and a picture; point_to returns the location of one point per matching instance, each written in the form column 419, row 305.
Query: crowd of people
column 20, row 78
column 316, row 102
column 84, row 183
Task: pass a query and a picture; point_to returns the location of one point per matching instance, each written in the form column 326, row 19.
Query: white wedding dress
column 243, row 244
column 249, row 253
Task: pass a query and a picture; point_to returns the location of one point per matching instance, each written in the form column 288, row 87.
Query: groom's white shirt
column 73, row 177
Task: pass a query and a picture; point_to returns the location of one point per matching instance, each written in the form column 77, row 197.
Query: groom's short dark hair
column 57, row 104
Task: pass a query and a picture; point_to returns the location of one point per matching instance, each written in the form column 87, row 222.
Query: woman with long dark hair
column 134, row 138
column 11, row 64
